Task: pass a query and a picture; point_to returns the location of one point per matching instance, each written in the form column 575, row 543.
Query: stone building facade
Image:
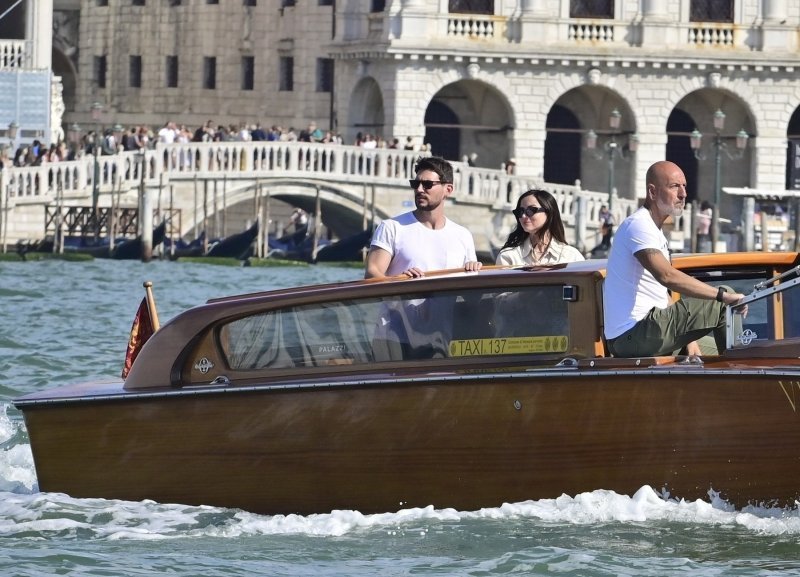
column 528, row 80
column 189, row 61
column 31, row 104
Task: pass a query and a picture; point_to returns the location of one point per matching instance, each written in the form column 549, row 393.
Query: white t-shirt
column 413, row 244
column 166, row 135
column 630, row 291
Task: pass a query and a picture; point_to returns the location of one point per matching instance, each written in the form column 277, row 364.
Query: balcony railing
column 476, row 26
column 14, row 54
column 583, row 31
column 711, row 35
column 500, row 31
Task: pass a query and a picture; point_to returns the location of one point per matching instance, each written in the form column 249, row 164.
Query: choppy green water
column 63, row 322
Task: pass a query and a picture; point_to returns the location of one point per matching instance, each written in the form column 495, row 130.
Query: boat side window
column 446, row 324
column 535, row 311
column 791, row 312
column 326, row 334
column 414, row 328
column 527, row 320
column 759, row 321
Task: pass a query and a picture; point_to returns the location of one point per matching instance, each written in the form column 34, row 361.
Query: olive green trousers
column 667, row 331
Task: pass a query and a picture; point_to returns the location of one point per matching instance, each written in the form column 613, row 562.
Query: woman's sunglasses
column 426, row 184
column 528, row 211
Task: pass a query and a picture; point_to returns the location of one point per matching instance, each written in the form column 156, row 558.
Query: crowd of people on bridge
column 143, row 136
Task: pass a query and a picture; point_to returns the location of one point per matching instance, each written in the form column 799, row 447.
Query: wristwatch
column 720, row 292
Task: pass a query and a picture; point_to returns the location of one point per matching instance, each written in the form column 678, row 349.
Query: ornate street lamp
column 720, row 146
column 612, row 150
column 117, row 131
column 74, row 138
column 12, row 136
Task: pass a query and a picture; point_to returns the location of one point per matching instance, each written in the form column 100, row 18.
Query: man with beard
column 423, row 239
column 640, row 317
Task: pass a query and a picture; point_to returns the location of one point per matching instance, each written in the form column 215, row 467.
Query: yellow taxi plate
column 509, row 346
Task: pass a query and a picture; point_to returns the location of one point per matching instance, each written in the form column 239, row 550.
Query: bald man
column 640, row 317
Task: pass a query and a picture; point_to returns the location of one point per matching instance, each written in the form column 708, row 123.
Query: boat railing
column 738, row 334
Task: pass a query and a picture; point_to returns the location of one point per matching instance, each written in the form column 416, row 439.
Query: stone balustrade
column 491, row 190
column 14, row 54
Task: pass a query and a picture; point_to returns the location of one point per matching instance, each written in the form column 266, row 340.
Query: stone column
column 658, row 27
column 748, row 226
column 533, row 7
column 417, row 19
column 776, row 33
column 654, row 9
column 39, row 31
column 536, row 22
column 775, row 11
column 769, row 168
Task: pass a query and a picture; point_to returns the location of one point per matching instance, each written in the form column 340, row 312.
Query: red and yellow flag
column 141, row 330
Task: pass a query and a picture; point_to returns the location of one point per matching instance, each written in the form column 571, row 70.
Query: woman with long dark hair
column 538, row 238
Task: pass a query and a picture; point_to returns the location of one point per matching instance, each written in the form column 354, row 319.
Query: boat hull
column 461, row 441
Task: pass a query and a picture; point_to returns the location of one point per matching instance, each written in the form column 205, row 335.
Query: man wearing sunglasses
column 423, row 239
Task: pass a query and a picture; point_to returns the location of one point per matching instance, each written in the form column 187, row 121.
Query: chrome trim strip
column 548, row 373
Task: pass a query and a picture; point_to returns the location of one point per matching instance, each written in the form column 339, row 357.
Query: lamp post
column 612, row 150
column 74, row 133
column 13, row 127
column 720, row 146
column 97, row 110
column 12, row 135
column 74, row 138
column 117, row 131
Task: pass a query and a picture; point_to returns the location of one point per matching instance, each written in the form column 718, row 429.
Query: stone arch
column 64, row 67
column 713, row 83
column 366, row 108
column 698, row 108
column 793, row 151
column 679, row 125
column 468, row 117
column 572, row 116
column 66, row 25
column 563, row 140
column 342, row 211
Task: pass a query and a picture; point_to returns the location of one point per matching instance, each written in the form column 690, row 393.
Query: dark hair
column 552, row 225
column 705, row 205
column 438, row 165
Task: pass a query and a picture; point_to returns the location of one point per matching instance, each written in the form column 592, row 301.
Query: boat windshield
column 464, row 323
column 773, row 312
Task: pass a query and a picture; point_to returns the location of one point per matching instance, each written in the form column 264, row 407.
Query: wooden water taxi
column 461, row 390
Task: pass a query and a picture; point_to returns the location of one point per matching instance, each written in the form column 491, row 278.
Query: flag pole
column 151, row 304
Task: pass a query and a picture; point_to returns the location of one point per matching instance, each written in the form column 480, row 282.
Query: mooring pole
column 145, row 216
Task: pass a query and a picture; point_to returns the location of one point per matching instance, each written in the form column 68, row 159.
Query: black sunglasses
column 426, row 184
column 528, row 211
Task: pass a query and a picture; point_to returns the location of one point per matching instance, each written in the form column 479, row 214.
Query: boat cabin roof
column 449, row 321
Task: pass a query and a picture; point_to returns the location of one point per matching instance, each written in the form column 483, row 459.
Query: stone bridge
column 221, row 187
